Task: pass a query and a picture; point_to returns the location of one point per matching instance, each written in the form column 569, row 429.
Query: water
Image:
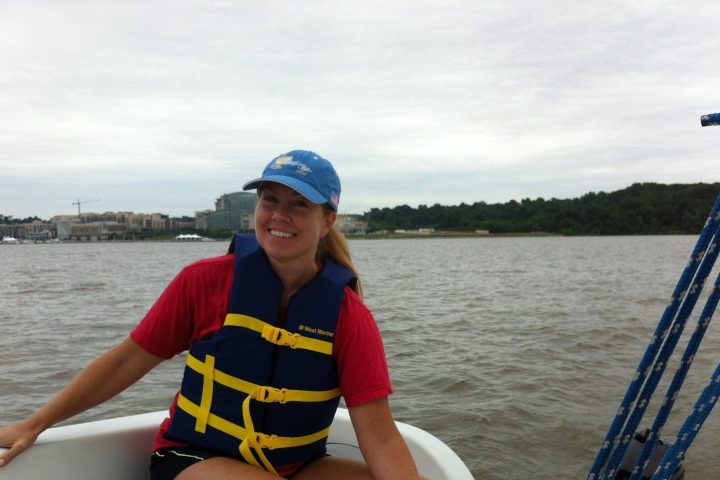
column 514, row 351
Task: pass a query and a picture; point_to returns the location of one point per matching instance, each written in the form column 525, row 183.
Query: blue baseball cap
column 307, row 173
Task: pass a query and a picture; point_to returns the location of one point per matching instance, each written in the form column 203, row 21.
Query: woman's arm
column 384, row 449
column 102, row 379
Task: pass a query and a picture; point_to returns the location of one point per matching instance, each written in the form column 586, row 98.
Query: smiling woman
column 288, row 225
column 278, row 327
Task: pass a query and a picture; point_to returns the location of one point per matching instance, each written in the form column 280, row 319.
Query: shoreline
column 370, row 236
column 447, row 234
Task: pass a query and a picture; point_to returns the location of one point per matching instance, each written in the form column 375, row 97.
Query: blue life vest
column 257, row 390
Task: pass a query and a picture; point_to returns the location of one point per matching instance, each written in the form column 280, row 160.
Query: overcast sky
column 162, row 106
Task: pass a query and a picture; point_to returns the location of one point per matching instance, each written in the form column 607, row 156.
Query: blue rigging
column 619, row 455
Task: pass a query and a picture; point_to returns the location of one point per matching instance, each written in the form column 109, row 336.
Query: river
column 514, row 351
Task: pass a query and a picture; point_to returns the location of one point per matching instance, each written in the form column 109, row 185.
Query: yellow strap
column 277, row 335
column 263, row 440
column 208, row 371
column 273, row 441
column 284, row 395
column 250, row 442
column 261, row 393
column 239, row 320
column 282, row 337
column 222, row 378
column 255, row 442
column 246, row 449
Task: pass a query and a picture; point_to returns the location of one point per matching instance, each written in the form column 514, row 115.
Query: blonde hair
column 335, row 246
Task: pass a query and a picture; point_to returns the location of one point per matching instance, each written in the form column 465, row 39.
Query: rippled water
column 514, row 351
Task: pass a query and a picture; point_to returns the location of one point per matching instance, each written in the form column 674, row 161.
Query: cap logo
column 287, row 161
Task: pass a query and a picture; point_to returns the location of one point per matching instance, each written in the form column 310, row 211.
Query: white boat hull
column 119, row 449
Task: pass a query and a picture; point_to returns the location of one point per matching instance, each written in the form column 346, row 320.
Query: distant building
column 233, row 212
column 112, row 225
column 14, row 231
column 201, row 219
column 62, row 228
column 37, row 231
column 41, row 236
column 95, row 231
column 351, row 224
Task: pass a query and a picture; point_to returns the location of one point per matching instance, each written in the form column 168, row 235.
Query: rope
column 671, row 341
column 647, row 363
column 681, row 373
column 690, row 428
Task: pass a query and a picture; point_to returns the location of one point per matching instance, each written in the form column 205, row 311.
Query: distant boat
column 9, row 240
column 189, row 238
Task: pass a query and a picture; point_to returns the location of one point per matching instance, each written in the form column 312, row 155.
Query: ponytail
column 335, row 246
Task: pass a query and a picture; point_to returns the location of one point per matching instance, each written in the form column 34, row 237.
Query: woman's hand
column 18, row 438
column 105, row 377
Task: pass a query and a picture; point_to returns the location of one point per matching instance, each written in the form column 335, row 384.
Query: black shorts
column 167, row 463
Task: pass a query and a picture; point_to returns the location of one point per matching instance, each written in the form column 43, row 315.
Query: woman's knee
column 333, row 467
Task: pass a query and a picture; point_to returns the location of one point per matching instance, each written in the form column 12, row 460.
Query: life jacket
column 257, row 390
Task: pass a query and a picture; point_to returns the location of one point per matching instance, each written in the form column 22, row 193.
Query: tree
column 642, row 208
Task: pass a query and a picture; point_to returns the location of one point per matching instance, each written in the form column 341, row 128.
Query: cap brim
column 302, row 188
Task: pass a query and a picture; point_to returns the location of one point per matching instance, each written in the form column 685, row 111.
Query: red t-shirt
column 194, row 305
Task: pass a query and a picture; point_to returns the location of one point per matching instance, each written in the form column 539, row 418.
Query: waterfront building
column 351, row 224
column 233, row 212
column 96, row 231
column 12, row 231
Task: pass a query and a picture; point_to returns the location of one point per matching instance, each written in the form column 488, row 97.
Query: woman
column 276, row 332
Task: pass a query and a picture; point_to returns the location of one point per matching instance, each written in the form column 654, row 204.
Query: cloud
column 164, row 106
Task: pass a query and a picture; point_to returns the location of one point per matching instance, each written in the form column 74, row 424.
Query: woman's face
column 288, row 226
